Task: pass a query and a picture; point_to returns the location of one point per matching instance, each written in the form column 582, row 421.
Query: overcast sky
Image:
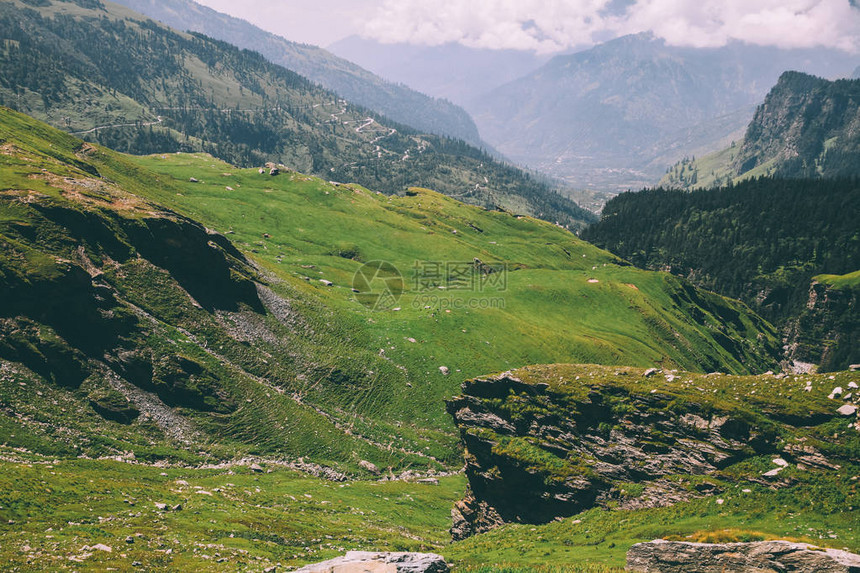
column 553, row 25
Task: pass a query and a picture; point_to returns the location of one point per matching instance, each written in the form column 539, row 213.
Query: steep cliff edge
column 551, row 441
column 827, row 331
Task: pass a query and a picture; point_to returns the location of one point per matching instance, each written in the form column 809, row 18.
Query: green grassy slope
column 117, row 78
column 318, row 373
column 231, row 518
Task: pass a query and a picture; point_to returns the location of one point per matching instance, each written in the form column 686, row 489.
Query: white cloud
column 553, row 25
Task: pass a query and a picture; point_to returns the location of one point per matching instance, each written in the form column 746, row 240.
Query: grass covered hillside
column 114, row 77
column 131, row 325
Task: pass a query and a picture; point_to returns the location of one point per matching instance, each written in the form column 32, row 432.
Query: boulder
column 762, row 556
column 372, row 562
column 369, row 466
column 847, row 410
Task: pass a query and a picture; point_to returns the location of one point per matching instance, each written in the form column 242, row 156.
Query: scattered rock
column 853, row 385
column 429, row 481
column 274, row 171
column 193, row 180
column 100, row 547
column 368, row 561
column 369, row 466
column 177, row 507
column 765, row 556
column 847, row 410
column 443, row 370
column 651, row 372
column 256, row 468
column 326, row 283
column 854, row 367
column 160, row 506
column 836, row 392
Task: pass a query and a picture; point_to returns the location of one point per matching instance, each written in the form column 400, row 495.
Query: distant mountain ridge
column 806, row 127
column 354, row 83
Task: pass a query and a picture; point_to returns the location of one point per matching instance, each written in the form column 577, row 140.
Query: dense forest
column 761, row 240
column 139, row 87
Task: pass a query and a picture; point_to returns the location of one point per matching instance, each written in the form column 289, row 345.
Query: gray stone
column 847, row 410
column 369, row 466
column 761, row 556
column 372, row 562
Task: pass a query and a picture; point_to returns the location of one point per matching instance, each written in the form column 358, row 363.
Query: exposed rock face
column 762, row 557
column 370, row 562
column 827, row 331
column 538, row 451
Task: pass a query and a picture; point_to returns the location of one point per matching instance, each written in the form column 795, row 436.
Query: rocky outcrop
column 762, row 556
column 596, row 436
column 827, row 331
column 371, row 562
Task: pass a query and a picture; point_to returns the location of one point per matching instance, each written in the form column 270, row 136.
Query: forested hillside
column 114, row 77
column 762, row 240
column 354, row 83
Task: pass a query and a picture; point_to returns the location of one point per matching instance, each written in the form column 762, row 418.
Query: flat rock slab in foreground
column 371, row 562
column 761, row 557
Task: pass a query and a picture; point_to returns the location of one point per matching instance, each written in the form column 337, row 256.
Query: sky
column 547, row 26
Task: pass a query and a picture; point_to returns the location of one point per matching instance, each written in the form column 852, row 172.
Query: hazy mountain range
column 610, row 117
column 451, row 71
